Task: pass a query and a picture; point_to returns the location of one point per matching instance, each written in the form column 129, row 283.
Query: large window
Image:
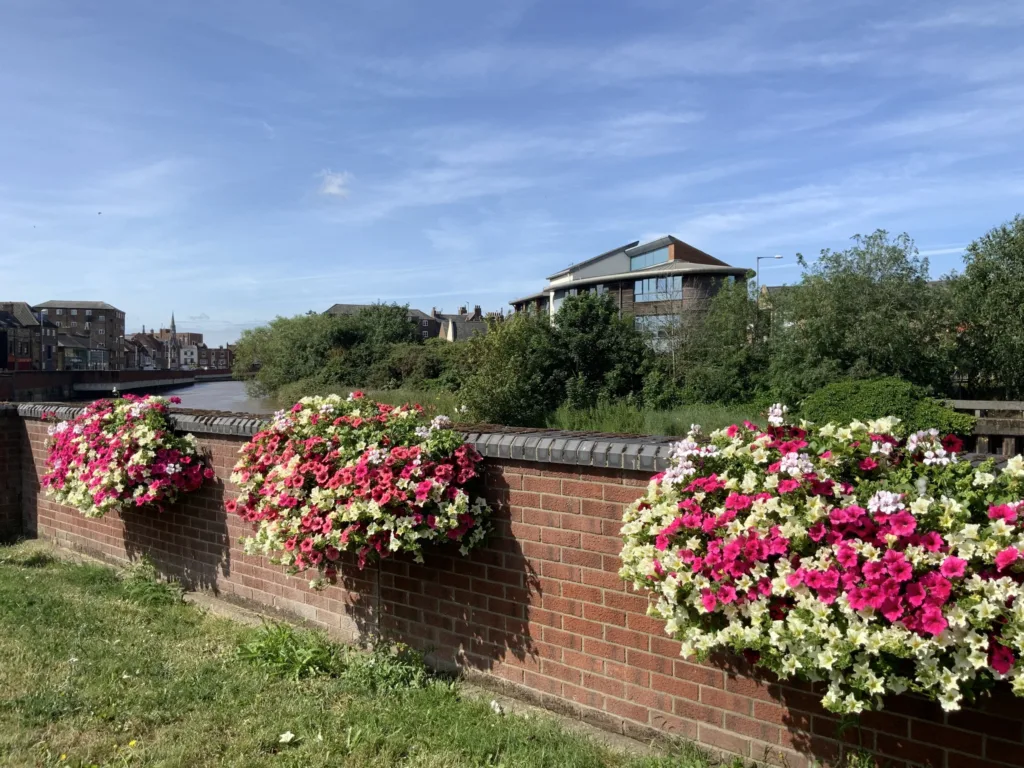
column 659, row 289
column 659, row 256
column 658, row 329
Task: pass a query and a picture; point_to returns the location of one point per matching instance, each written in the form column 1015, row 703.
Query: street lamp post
column 776, row 256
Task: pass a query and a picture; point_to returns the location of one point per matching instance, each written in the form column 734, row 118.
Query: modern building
column 659, row 283
column 101, row 323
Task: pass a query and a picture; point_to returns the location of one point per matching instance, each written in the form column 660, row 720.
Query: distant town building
column 436, row 325
column 463, row 325
column 100, row 323
column 28, row 341
column 659, row 283
column 215, row 357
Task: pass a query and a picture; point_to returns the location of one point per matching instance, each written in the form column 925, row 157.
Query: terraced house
column 660, row 282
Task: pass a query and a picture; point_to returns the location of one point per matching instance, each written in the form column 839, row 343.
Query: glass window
column 659, row 256
column 102, row 318
column 101, row 331
column 60, row 311
column 601, row 289
column 656, row 324
column 658, row 289
column 74, row 312
column 74, row 324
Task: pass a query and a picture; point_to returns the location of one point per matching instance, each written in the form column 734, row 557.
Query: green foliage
column 321, row 348
column 517, row 375
column 865, row 312
column 603, row 355
column 283, row 650
column 990, row 308
column 140, row 583
column 844, row 401
column 721, row 355
column 389, row 668
column 623, row 418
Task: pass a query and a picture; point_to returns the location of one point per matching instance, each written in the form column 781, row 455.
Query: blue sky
column 232, row 161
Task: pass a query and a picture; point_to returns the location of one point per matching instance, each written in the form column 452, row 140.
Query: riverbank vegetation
column 868, row 313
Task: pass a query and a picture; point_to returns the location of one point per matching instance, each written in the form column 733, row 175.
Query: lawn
column 106, row 668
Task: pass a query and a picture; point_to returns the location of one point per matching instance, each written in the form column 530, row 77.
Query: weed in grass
column 288, row 652
column 141, row 584
column 389, row 668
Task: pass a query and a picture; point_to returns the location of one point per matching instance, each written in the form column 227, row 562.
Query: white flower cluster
column 777, row 414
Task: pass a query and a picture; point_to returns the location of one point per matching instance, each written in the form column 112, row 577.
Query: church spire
column 174, row 330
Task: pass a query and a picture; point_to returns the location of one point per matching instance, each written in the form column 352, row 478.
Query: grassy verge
column 107, row 669
column 626, row 419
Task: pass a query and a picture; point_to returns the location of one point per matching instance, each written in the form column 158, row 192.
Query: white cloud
column 335, row 184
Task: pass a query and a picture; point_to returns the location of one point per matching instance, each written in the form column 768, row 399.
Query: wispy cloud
column 335, row 184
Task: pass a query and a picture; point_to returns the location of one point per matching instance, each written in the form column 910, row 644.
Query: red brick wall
column 542, row 612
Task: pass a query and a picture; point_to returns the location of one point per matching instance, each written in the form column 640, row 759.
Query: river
column 221, row 396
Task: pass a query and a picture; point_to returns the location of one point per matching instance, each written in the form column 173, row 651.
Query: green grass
column 98, row 670
column 627, row 419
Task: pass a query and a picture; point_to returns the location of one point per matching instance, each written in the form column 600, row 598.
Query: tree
column 989, row 298
column 602, row 354
column 321, row 348
column 517, row 375
column 864, row 312
column 286, row 350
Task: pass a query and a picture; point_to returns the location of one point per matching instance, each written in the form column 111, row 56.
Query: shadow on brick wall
column 909, row 730
column 189, row 540
column 469, row 612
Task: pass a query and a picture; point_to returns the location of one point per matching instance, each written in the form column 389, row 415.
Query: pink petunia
column 708, row 600
column 1006, row 558
column 1000, row 658
column 868, row 464
column 953, row 567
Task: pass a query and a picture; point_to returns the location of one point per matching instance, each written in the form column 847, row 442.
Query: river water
column 221, row 396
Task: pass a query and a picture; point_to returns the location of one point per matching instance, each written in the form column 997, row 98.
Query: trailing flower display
column 846, row 554
column 121, row 454
column 336, row 475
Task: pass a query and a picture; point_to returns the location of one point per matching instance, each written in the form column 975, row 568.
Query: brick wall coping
column 549, row 446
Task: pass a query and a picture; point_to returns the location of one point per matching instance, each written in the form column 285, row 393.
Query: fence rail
column 1000, row 426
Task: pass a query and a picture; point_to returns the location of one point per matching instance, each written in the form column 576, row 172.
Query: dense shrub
column 839, row 553
column 844, row 401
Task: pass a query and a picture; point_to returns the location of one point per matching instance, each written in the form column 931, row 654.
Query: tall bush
column 860, row 400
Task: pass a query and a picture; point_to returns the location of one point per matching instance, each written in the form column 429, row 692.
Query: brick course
column 539, row 612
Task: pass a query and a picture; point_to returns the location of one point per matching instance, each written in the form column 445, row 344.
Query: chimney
column 476, row 313
column 462, row 310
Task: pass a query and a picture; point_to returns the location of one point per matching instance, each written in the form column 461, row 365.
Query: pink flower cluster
column 120, row 454
column 313, row 493
column 876, row 562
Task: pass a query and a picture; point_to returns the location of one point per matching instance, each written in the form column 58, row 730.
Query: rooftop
column 58, row 303
column 657, row 270
column 352, row 309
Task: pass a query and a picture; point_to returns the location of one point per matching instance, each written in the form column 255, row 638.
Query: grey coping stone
column 550, row 446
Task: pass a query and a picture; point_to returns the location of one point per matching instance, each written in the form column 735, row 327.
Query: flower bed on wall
column 877, row 563
column 121, row 454
column 336, row 475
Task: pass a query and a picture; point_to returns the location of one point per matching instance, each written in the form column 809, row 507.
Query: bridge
column 66, row 385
